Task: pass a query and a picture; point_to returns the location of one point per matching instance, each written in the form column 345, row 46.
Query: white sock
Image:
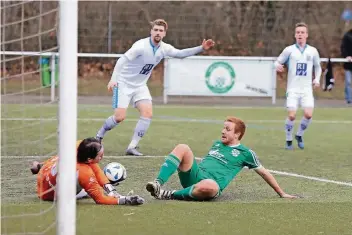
column 303, row 126
column 141, row 128
column 81, row 194
column 108, row 125
column 289, row 129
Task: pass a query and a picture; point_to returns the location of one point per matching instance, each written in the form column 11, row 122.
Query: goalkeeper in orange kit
column 91, row 180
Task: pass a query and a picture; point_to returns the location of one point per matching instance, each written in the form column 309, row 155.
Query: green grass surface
column 247, row 206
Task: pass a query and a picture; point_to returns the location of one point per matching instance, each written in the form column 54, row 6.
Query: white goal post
column 68, row 74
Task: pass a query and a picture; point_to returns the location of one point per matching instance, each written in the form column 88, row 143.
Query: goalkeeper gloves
column 133, row 200
column 111, row 191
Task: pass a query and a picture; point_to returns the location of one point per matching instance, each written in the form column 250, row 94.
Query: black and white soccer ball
column 115, row 172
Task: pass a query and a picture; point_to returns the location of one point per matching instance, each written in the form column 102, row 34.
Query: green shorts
column 194, row 176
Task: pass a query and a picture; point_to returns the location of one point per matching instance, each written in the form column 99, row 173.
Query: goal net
column 30, row 110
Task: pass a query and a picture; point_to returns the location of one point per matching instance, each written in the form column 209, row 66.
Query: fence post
column 109, row 27
column 53, row 74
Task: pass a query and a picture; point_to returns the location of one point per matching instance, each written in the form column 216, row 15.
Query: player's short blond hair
column 240, row 126
column 301, row 24
column 160, row 22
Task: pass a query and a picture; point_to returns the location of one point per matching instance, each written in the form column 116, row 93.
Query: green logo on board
column 220, row 77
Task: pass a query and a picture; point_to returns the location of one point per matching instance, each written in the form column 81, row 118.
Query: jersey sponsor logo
column 301, row 69
column 215, row 153
column 91, row 180
column 146, row 69
column 220, row 77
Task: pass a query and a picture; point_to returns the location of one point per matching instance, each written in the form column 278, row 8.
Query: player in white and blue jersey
column 131, row 73
column 300, row 59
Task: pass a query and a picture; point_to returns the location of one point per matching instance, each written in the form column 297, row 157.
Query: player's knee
column 308, row 116
column 182, row 148
column 147, row 114
column 119, row 117
column 292, row 117
column 207, row 188
column 181, row 151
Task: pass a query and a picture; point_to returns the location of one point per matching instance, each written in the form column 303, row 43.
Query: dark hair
column 88, row 149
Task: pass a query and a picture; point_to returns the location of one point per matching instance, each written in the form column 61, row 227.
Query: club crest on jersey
column 235, row 152
column 309, row 58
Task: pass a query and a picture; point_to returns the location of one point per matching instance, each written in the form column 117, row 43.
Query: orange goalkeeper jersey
column 89, row 176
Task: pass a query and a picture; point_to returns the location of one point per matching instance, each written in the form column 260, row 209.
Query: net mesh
column 25, row 133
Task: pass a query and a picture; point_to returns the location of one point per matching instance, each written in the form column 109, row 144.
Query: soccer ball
column 115, row 172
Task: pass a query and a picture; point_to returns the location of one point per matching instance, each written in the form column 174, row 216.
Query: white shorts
column 124, row 94
column 304, row 99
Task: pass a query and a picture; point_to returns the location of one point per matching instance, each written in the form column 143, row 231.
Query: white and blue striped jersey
column 300, row 62
column 141, row 59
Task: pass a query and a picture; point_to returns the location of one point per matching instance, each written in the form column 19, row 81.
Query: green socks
column 168, row 168
column 183, row 194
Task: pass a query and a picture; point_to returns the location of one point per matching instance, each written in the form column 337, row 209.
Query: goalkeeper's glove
column 133, row 200
column 111, row 191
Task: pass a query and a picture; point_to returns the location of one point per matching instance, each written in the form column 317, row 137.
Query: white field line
column 133, row 157
column 175, row 119
column 201, row 107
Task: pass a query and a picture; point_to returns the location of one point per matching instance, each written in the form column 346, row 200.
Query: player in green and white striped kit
column 207, row 180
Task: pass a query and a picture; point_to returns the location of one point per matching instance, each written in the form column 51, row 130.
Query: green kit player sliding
column 207, row 180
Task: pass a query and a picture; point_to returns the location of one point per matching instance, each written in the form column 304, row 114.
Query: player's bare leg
column 145, row 109
column 111, row 122
column 289, row 124
column 181, row 158
column 204, row 190
column 306, row 120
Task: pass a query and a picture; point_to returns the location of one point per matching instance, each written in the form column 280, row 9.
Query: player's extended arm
column 177, row 53
column 103, row 180
column 89, row 183
column 269, row 178
column 317, row 68
column 101, row 177
column 282, row 59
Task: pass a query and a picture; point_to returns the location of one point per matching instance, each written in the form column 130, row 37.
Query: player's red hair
column 240, row 127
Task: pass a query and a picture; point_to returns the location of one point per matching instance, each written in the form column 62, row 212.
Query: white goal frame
column 68, row 64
